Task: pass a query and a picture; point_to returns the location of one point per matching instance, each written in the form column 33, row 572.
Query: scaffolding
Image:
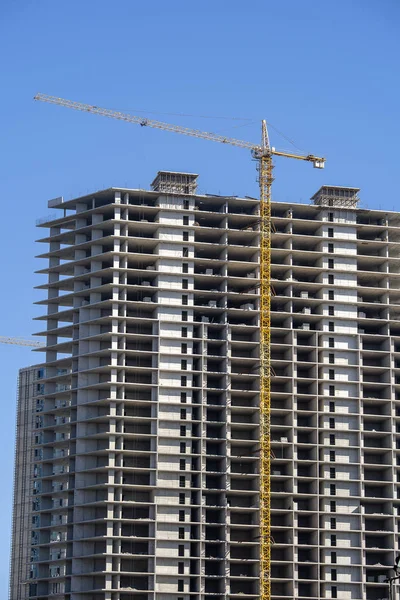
column 337, row 197
column 175, row 183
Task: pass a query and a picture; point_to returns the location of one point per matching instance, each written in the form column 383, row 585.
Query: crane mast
column 265, row 178
column 263, row 153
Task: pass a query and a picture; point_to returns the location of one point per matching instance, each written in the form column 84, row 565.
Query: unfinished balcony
column 376, row 490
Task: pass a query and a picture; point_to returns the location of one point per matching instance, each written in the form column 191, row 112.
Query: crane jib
column 256, row 149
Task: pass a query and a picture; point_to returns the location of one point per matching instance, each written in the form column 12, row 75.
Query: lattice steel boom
column 263, row 153
column 15, row 341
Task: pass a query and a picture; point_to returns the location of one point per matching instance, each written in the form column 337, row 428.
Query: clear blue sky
column 325, row 73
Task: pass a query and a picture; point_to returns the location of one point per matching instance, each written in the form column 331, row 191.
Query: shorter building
column 28, row 404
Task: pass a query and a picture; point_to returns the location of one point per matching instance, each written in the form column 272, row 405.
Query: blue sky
column 324, row 73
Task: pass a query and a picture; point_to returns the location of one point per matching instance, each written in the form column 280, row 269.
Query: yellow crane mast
column 263, row 153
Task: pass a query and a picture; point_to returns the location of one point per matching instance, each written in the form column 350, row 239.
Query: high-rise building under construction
column 144, row 442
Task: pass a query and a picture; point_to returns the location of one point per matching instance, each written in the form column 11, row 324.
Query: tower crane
column 264, row 154
column 16, row 341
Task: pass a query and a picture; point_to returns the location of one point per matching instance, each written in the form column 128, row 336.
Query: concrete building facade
column 28, row 404
column 335, row 398
column 146, row 441
column 149, row 429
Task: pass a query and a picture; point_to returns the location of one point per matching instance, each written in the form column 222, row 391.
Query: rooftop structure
column 175, row 183
column 337, row 197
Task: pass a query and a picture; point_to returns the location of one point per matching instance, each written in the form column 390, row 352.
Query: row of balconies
column 349, row 440
column 373, row 419
column 213, row 307
column 286, row 385
column 343, row 374
column 212, row 568
column 389, row 328
column 145, row 208
column 69, row 345
column 366, row 361
column 291, row 248
column 243, row 383
column 305, row 214
column 375, row 490
column 145, row 310
column 293, row 297
column 138, row 325
column 350, row 264
column 148, row 218
column 387, row 408
column 146, row 426
column 139, row 404
column 280, row 422
column 152, row 249
column 313, row 277
column 304, row 228
column 319, row 306
column 144, row 533
column 209, row 358
column 145, row 380
column 141, row 289
column 224, row 277
column 193, row 235
column 309, row 489
column 140, row 417
column 319, row 243
column 288, row 267
column 246, row 466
